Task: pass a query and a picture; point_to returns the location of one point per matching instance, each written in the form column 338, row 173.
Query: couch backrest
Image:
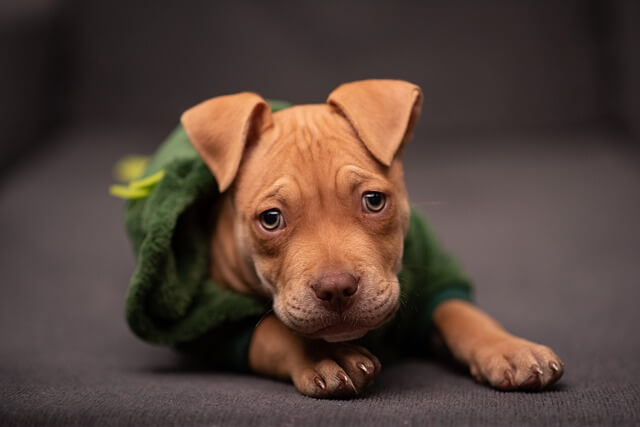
column 490, row 64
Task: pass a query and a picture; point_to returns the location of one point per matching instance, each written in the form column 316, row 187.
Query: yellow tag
column 130, row 168
column 129, row 193
column 149, row 181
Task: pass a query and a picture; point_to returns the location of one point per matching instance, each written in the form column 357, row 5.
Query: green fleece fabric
column 171, row 300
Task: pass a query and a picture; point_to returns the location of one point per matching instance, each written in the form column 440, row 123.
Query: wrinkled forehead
column 305, row 146
column 310, row 133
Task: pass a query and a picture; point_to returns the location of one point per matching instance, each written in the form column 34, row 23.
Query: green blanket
column 171, row 300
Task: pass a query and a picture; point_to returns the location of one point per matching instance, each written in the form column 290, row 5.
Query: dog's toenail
column 554, row 366
column 508, row 377
column 362, row 367
column 536, row 369
column 342, row 377
column 508, row 380
column 320, row 383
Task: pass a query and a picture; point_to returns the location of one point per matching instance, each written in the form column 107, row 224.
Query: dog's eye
column 373, row 201
column 271, row 219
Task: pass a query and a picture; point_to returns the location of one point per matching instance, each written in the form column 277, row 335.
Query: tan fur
column 221, row 147
column 319, row 171
column 379, row 123
column 313, row 163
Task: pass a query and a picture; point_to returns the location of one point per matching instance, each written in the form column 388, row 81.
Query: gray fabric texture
column 545, row 223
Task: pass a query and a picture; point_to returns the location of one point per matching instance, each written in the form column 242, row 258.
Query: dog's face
column 321, row 214
column 323, row 223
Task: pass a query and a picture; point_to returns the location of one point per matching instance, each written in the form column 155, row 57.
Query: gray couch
column 526, row 161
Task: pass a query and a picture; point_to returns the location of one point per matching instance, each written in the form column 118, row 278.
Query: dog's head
column 319, row 200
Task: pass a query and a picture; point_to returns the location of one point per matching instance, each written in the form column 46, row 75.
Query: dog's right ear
column 382, row 112
column 220, row 128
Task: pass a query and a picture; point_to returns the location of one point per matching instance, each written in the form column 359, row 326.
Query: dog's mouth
column 347, row 331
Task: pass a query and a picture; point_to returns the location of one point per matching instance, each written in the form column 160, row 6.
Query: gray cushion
column 546, row 224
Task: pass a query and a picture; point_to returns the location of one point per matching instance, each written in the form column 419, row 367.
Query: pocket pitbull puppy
column 313, row 215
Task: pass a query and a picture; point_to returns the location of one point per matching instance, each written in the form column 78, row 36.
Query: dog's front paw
column 335, row 371
column 513, row 363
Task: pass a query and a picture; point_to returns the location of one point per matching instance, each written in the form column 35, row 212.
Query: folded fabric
column 172, row 301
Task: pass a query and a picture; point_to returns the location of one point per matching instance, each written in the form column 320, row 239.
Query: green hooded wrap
column 172, row 301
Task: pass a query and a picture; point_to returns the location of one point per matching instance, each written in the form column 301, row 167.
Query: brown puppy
column 313, row 215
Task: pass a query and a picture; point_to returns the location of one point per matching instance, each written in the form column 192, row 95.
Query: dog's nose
column 336, row 290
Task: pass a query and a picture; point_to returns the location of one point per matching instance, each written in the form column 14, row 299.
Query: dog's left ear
column 220, row 129
column 382, row 112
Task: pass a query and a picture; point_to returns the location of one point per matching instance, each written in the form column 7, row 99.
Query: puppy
column 313, row 215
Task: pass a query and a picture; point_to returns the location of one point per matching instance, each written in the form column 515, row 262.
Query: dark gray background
column 525, row 160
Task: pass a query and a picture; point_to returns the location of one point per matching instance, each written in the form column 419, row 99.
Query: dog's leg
column 492, row 354
column 317, row 368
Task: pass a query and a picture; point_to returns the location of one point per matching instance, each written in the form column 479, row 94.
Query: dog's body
column 313, row 214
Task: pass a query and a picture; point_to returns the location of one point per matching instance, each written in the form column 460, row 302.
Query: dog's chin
column 336, row 332
column 344, row 331
column 339, row 333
